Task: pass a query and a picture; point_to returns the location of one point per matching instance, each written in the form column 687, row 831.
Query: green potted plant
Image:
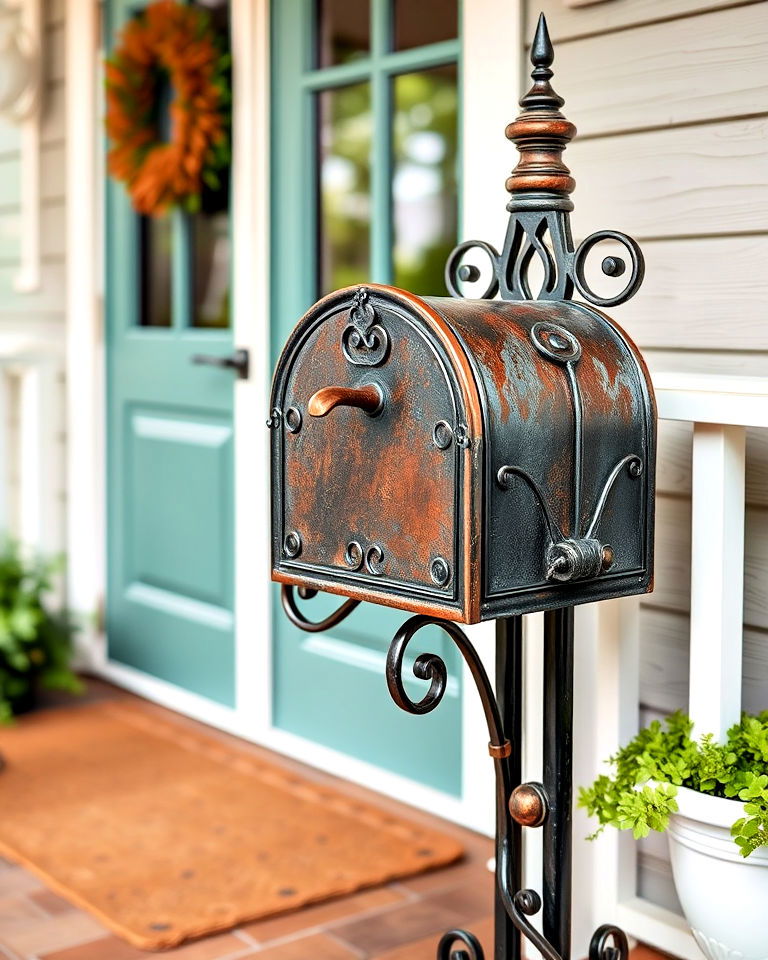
column 35, row 641
column 712, row 799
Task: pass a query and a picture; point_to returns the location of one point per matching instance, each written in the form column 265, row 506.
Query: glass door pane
column 419, row 22
column 155, row 241
column 343, row 31
column 344, row 187
column 424, row 187
column 210, row 270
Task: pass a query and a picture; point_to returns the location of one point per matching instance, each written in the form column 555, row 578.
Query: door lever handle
column 368, row 398
column 237, row 361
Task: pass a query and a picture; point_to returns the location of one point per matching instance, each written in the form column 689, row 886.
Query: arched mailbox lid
column 393, row 416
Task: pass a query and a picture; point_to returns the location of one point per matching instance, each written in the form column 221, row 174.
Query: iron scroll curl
column 297, row 618
column 564, row 267
column 611, row 267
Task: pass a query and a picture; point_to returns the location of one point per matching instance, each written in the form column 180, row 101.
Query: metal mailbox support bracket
column 539, row 226
column 518, row 805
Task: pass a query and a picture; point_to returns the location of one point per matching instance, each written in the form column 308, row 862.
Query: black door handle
column 238, row 361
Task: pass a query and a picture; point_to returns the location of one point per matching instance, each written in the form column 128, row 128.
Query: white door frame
column 86, row 522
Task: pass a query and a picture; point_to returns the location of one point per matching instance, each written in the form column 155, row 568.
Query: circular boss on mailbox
column 168, row 107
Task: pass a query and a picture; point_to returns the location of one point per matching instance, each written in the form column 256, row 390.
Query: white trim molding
column 86, row 528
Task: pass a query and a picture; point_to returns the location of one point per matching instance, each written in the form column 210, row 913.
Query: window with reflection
column 344, row 188
column 155, row 241
column 386, row 126
column 417, row 23
column 424, row 189
column 342, row 31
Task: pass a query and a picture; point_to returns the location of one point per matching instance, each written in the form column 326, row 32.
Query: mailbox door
column 350, row 486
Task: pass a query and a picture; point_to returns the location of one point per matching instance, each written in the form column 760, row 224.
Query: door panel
column 169, row 442
column 337, row 141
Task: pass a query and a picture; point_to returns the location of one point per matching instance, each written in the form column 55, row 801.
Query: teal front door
column 364, row 187
column 169, row 439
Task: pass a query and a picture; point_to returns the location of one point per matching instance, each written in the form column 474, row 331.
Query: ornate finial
column 541, row 133
column 539, row 225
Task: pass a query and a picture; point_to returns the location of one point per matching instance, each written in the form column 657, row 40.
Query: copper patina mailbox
column 472, row 459
column 467, row 459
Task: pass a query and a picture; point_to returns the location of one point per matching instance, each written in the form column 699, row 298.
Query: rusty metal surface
column 530, row 421
column 373, row 499
column 380, row 506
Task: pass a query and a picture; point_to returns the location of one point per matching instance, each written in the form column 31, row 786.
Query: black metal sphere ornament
column 443, row 505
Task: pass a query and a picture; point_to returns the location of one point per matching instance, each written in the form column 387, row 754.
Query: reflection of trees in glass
column 345, row 186
column 424, row 177
column 424, row 202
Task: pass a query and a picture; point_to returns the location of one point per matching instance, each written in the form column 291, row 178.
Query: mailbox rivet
column 440, row 571
column 374, row 559
column 292, row 544
column 293, row 419
column 353, row 555
column 442, row 434
column 608, row 557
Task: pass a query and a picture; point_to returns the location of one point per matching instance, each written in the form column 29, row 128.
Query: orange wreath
column 176, row 44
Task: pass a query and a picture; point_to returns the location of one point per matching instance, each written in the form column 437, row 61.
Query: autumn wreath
column 175, row 47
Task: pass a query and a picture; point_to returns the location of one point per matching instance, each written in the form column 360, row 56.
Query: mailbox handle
column 369, row 398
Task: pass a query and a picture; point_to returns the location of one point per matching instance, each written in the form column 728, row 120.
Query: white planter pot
column 724, row 896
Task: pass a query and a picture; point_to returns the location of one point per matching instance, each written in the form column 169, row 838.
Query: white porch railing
column 607, row 650
column 32, row 442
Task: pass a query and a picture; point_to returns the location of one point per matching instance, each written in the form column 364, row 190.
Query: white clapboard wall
column 670, row 98
column 32, row 324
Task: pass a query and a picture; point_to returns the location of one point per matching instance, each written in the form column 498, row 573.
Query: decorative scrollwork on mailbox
column 365, row 342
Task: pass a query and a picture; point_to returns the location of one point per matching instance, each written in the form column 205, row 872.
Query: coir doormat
column 166, row 834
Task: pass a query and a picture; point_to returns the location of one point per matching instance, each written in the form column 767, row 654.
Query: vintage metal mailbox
column 472, row 459
column 469, row 459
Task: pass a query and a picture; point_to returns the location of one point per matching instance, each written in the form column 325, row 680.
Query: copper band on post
column 500, row 751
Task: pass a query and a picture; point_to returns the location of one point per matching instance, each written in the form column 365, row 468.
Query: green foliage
column 639, row 793
column 35, row 643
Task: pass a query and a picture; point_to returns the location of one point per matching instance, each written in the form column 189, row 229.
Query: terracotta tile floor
column 400, row 921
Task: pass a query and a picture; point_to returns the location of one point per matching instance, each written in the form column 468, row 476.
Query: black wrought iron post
column 558, row 777
column 509, row 690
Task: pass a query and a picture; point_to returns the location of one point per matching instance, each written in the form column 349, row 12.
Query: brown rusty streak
column 379, row 480
column 470, row 536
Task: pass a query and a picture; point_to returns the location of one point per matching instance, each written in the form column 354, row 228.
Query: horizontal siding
column 683, row 181
column 664, row 674
column 673, row 557
column 716, row 69
column 674, row 462
column 744, row 363
column 702, row 293
column 568, row 22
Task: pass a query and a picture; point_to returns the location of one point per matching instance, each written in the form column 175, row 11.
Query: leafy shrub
column 35, row 642
column 665, row 755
